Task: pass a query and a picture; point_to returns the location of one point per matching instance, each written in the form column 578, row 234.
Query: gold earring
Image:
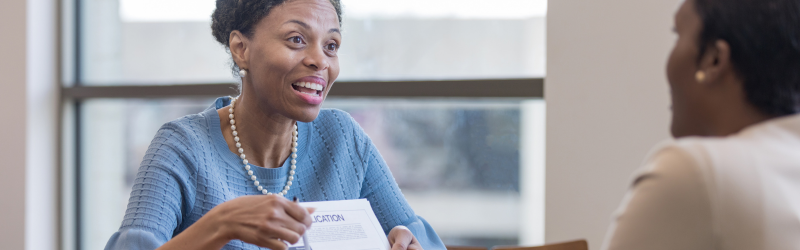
column 700, row 76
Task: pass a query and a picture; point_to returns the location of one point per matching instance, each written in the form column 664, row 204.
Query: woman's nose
column 316, row 59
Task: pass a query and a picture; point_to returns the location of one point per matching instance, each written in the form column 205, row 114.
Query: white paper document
column 343, row 225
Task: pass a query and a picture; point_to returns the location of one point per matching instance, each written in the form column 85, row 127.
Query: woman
column 731, row 180
column 204, row 181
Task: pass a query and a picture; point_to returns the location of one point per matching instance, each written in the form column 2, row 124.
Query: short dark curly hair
column 764, row 36
column 243, row 15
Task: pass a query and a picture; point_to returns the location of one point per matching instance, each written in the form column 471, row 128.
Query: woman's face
column 681, row 69
column 291, row 58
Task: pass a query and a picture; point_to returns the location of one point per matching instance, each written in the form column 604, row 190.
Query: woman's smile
column 311, row 89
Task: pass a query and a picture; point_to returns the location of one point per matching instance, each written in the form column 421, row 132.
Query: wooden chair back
column 572, row 245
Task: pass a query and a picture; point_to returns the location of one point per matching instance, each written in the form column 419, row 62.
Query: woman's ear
column 238, row 45
column 716, row 62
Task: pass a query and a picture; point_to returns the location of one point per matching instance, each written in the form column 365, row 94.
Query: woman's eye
column 332, row 47
column 296, row 39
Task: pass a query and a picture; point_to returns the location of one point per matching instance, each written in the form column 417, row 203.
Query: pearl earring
column 700, row 76
column 242, row 72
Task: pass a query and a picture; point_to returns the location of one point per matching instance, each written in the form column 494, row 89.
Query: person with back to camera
column 731, row 180
column 217, row 179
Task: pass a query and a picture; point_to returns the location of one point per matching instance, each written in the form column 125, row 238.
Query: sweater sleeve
column 161, row 193
column 668, row 207
column 381, row 190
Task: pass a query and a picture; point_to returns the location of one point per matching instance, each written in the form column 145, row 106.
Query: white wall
column 607, row 104
column 12, row 129
column 28, row 88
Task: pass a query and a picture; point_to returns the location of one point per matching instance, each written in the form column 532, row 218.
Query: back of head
column 764, row 36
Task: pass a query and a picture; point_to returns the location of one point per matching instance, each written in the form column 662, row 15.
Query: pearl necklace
column 247, row 166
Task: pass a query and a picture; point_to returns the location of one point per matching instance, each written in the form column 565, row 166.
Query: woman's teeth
column 308, row 85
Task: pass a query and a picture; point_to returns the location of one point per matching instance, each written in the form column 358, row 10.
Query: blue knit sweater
column 188, row 170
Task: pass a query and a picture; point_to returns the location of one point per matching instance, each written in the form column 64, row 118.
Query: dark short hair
column 243, row 15
column 764, row 36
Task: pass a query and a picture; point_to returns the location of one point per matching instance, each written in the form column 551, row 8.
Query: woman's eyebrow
column 306, row 26
column 301, row 23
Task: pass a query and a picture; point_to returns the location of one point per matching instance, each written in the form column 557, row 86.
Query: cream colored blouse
column 740, row 192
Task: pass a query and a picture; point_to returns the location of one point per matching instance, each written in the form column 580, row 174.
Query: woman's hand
column 261, row 220
column 400, row 238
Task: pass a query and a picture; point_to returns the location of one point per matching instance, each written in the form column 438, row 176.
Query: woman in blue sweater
column 217, row 180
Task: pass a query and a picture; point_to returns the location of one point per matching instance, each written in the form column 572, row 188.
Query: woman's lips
column 309, row 90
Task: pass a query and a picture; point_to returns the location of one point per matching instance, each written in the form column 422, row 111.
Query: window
column 450, row 91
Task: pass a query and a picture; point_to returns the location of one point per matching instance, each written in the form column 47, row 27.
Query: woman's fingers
column 288, row 235
column 274, row 244
column 293, row 225
column 414, row 245
column 258, row 238
column 400, row 238
column 263, row 220
column 399, row 246
column 298, row 213
column 269, row 230
column 295, row 218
